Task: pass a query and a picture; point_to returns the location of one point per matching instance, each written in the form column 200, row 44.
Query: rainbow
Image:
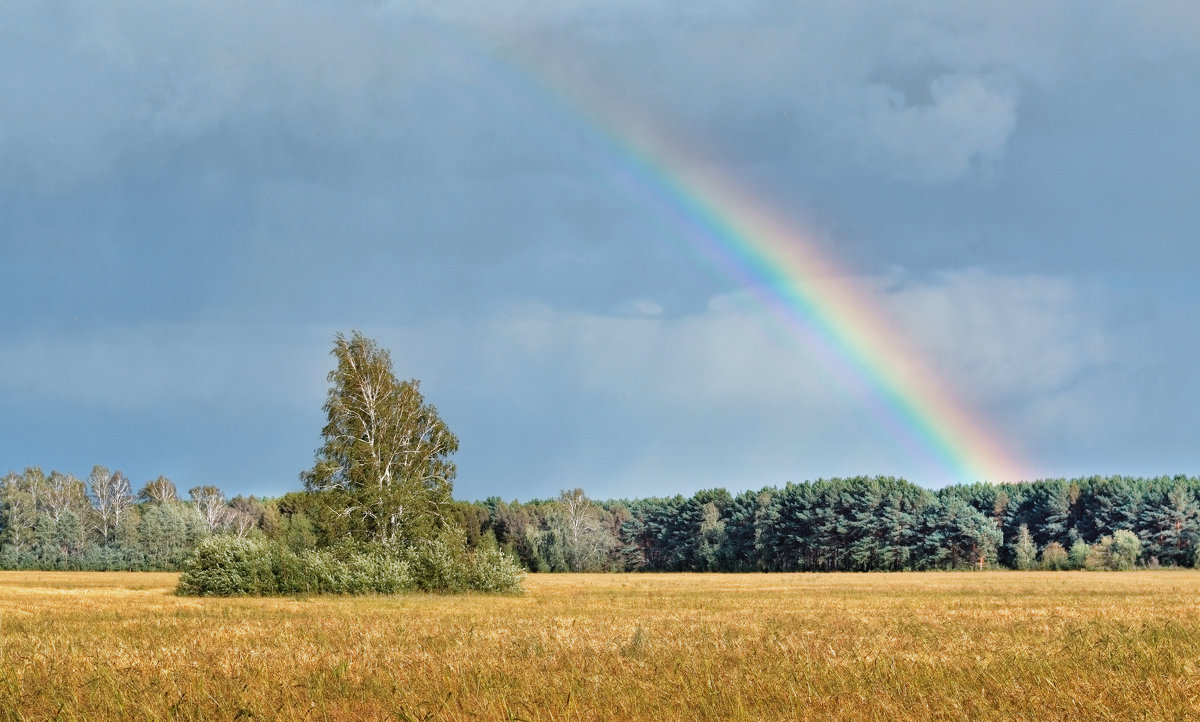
column 802, row 287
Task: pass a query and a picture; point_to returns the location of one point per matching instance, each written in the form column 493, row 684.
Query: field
column 997, row 645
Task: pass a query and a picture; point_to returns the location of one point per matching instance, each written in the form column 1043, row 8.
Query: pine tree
column 1054, row 511
column 1169, row 527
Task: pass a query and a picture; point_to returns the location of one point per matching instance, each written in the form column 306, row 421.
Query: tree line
column 372, row 517
column 57, row 521
column 858, row 524
column 381, row 488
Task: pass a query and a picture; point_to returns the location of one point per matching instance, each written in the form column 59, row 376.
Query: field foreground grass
column 782, row 646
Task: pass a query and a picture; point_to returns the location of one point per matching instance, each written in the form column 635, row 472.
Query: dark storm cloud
column 193, row 198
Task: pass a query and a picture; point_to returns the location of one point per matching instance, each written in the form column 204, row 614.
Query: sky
column 517, row 199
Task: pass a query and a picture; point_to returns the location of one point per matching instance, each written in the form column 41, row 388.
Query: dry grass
column 797, row 646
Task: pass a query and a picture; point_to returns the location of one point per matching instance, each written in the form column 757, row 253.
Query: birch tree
column 210, row 502
column 575, row 525
column 65, row 492
column 384, row 465
column 18, row 509
column 114, row 498
column 159, row 491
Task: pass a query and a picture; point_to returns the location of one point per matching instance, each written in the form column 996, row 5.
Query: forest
column 58, row 521
column 380, row 490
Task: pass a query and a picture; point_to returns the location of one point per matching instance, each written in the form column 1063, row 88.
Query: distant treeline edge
column 58, row 521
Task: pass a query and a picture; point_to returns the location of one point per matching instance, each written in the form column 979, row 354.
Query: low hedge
column 224, row 566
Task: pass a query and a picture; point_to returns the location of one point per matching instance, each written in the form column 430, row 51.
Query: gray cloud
column 192, row 197
column 711, row 390
column 549, row 398
column 118, row 85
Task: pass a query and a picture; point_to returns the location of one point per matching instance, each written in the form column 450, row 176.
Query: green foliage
column 344, row 570
column 1078, row 555
column 169, row 531
column 1119, row 551
column 1169, row 524
column 955, row 535
column 1024, row 552
column 226, row 566
column 1124, row 551
column 713, row 542
column 231, row 566
column 383, row 470
column 859, row 524
column 1098, row 554
column 445, row 564
column 438, row 565
column 571, row 535
column 493, row 571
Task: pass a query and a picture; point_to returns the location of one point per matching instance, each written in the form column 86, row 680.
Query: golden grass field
column 991, row 645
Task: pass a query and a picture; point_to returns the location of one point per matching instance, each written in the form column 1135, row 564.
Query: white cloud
column 642, row 307
column 90, row 88
column 1001, row 336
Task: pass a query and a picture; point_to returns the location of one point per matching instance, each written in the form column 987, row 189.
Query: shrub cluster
column 224, row 566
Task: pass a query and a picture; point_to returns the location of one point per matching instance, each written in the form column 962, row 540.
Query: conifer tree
column 1170, row 526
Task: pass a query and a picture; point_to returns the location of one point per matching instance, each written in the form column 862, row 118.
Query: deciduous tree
column 1024, row 550
column 384, row 466
column 159, row 491
column 114, row 497
column 210, row 502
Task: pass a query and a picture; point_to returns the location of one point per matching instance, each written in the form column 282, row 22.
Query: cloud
column 964, row 124
column 1000, row 335
column 916, row 90
column 717, row 392
column 1037, row 354
column 114, row 87
column 546, row 398
column 192, row 194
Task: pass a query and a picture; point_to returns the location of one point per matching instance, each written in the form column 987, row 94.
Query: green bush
column 438, row 565
column 495, row 572
column 1120, row 551
column 291, row 571
column 1125, row 549
column 1078, row 556
column 386, row 573
column 445, row 565
column 229, row 566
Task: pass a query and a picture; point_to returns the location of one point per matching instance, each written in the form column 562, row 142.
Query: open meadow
column 681, row 646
